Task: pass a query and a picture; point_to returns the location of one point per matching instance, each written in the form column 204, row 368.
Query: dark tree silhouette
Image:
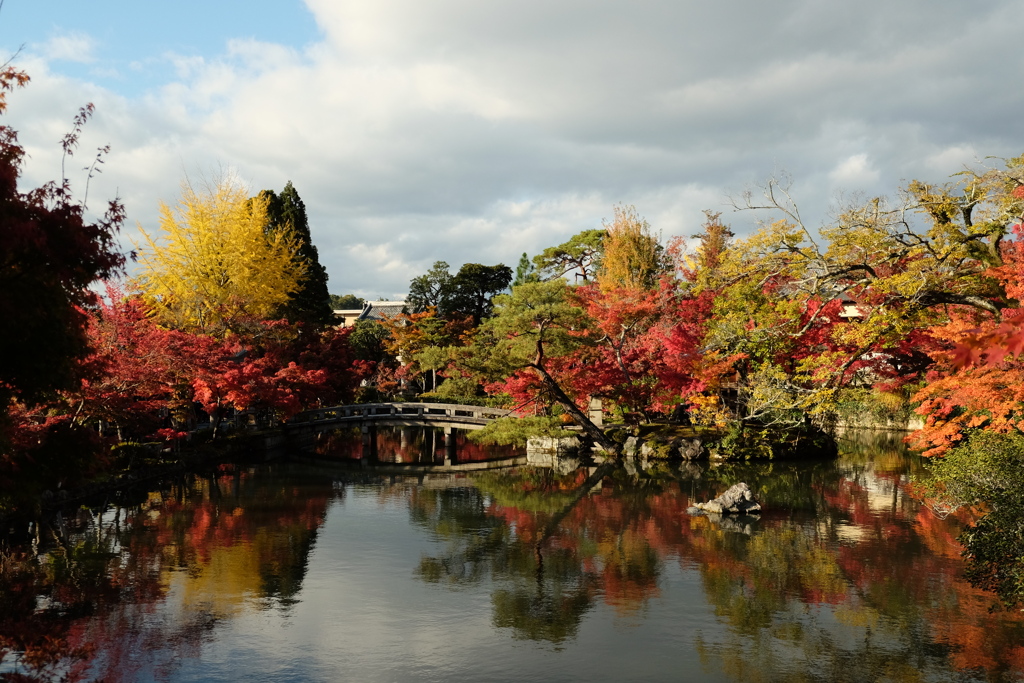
column 312, row 303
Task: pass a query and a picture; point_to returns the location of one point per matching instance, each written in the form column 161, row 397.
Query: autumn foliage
column 49, row 254
column 215, row 261
column 195, row 338
column 978, row 382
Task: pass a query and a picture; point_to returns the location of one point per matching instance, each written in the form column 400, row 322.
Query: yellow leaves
column 788, row 557
column 938, row 202
column 769, row 388
column 708, row 411
column 777, row 250
column 633, row 257
column 857, row 615
column 213, row 261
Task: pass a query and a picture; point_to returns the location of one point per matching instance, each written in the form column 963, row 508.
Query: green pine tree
column 312, row 303
column 525, row 271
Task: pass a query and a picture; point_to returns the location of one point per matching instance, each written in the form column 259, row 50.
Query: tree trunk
column 578, row 416
column 583, row 489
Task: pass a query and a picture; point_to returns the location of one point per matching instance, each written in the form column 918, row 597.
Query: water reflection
column 407, row 444
column 543, row 597
column 845, row 576
column 81, row 597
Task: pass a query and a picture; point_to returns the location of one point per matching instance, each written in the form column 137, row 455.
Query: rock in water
column 737, row 500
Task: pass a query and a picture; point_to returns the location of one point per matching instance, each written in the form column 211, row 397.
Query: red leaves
column 981, row 385
column 283, row 374
column 965, row 355
column 642, row 349
column 49, row 256
column 168, row 434
column 990, row 347
column 140, row 371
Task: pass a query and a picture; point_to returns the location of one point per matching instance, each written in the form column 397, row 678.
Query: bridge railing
column 414, row 411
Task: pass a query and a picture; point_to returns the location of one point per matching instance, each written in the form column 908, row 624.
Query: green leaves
column 467, row 293
column 311, row 302
column 516, row 430
column 535, row 319
column 989, row 469
column 581, row 253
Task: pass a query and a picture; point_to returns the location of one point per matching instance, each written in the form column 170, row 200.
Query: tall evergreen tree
column 525, row 271
column 312, row 302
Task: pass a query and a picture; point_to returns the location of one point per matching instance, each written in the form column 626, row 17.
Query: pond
column 321, row 572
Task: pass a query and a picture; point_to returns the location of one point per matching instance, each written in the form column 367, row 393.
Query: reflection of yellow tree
column 881, row 602
column 220, row 584
column 788, row 560
column 202, row 550
column 756, row 579
column 764, row 586
column 799, row 652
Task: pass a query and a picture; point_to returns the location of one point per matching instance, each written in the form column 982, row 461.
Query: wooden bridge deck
column 401, row 413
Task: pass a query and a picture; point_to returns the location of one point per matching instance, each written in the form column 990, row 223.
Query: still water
column 289, row 572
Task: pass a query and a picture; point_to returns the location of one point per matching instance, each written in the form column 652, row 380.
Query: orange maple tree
column 978, row 380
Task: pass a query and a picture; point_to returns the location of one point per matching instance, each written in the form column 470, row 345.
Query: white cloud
column 953, row 159
column 466, row 131
column 854, row 172
column 70, row 47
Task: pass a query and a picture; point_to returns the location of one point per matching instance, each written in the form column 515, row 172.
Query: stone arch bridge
column 418, row 414
column 303, row 431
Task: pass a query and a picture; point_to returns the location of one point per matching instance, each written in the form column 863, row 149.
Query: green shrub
column 514, row 431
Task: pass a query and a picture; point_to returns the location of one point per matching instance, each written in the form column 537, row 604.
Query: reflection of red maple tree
column 102, row 598
column 621, row 540
column 406, row 445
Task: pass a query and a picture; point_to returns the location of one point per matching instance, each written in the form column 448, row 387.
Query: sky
column 470, row 131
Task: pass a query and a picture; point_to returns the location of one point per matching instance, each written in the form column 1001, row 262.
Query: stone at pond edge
column 545, row 450
column 661, row 448
column 691, row 449
column 738, row 499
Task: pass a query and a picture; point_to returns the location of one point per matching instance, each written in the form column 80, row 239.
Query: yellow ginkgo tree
column 213, row 262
